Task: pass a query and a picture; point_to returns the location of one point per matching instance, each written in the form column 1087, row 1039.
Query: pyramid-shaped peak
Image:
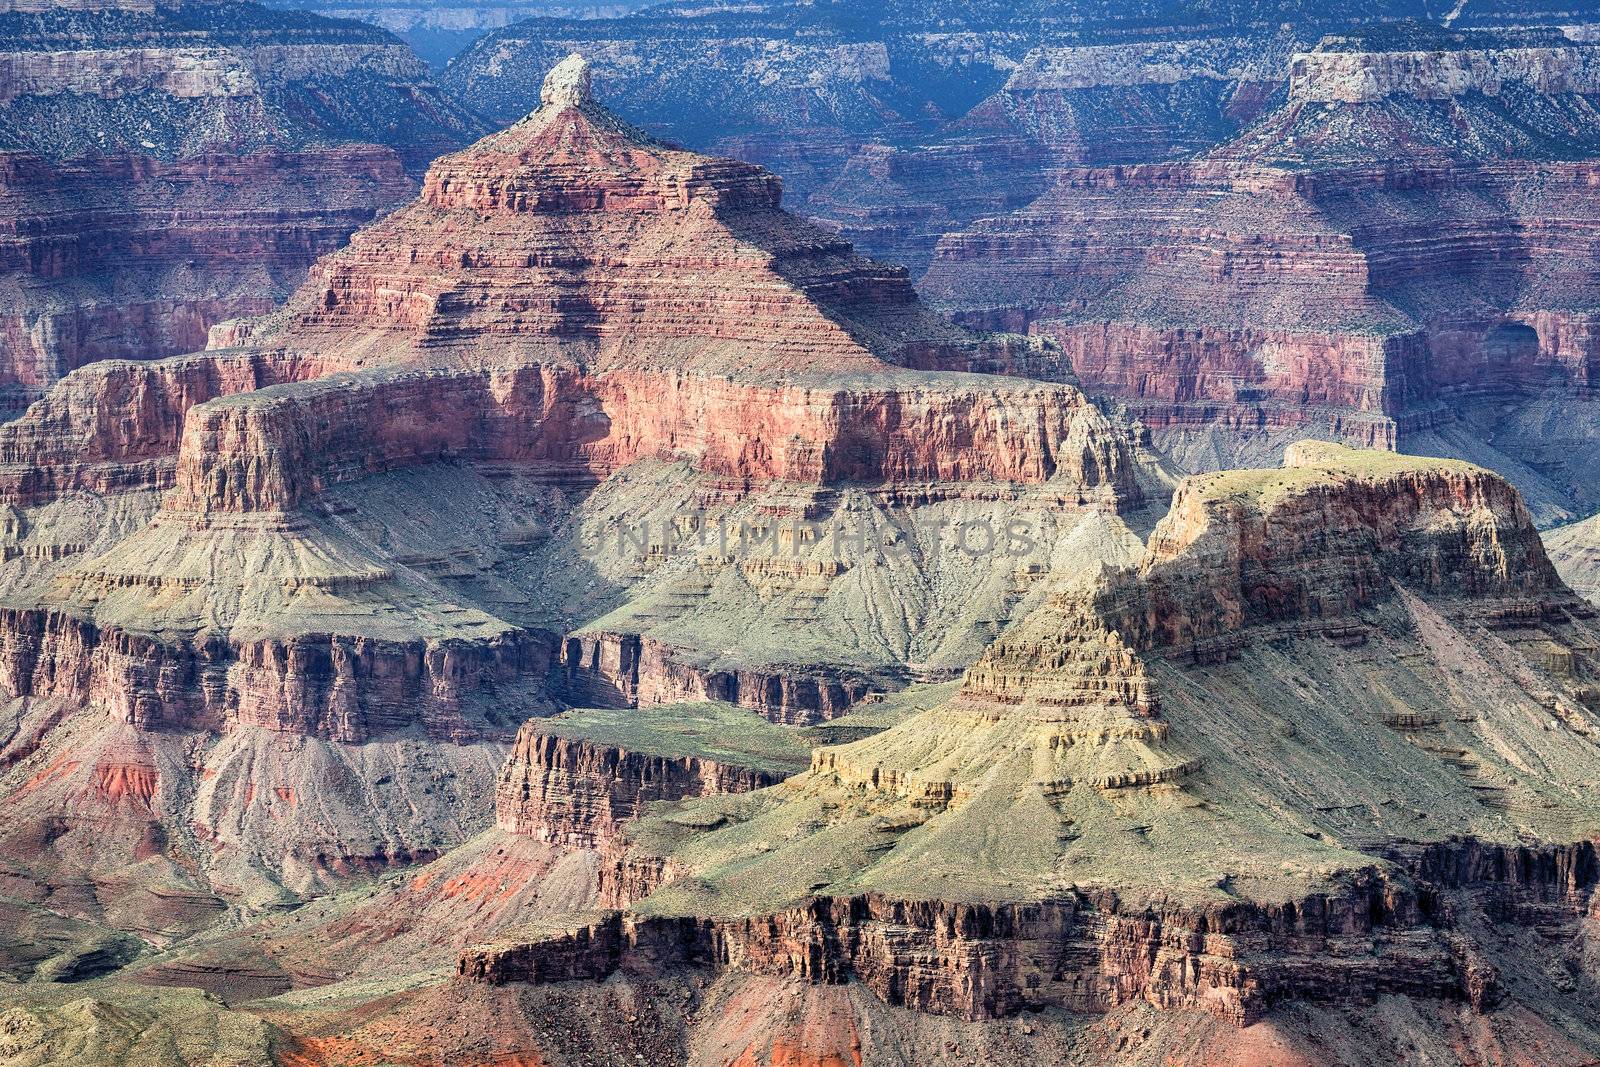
column 569, row 84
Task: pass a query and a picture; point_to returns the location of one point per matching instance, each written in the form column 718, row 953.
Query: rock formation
column 1305, row 279
column 1158, row 788
column 1214, row 223
column 347, row 537
column 576, row 778
column 571, row 581
column 166, row 167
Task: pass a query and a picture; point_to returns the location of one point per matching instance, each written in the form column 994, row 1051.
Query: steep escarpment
column 576, row 778
column 1302, row 720
column 168, row 167
column 71, row 441
column 333, row 554
column 1096, row 957
column 1305, row 279
column 270, row 450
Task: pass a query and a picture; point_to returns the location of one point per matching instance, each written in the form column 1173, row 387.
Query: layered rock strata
column 336, row 547
column 577, row 778
column 1302, row 279
column 562, row 354
column 1089, row 954
column 166, row 168
column 633, row 670
column 1284, row 845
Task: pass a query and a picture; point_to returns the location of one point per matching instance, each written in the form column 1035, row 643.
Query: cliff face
column 1441, row 66
column 630, row 670
column 166, row 168
column 1303, row 278
column 342, row 688
column 1331, row 601
column 126, row 256
column 272, row 450
column 1088, row 954
column 117, row 427
column 578, row 792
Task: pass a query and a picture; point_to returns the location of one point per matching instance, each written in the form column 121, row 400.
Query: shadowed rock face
column 165, row 167
column 1396, row 256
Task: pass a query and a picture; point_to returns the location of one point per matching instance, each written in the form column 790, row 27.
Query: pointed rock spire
column 567, row 84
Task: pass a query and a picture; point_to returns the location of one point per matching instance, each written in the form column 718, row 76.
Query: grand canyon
column 799, row 534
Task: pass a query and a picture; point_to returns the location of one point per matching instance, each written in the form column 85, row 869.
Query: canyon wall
column 117, row 426
column 579, row 793
column 1382, row 935
column 167, row 167
column 125, row 256
column 267, row 450
column 600, row 669
column 338, row 687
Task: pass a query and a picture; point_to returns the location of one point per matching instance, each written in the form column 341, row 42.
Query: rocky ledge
column 1090, row 952
column 1348, row 803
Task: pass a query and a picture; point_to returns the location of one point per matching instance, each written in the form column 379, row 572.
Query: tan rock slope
column 1336, row 718
column 1575, row 551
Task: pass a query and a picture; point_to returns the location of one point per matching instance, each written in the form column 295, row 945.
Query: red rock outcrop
column 1383, row 936
column 266, row 451
column 567, row 298
column 580, row 298
column 1308, row 278
column 117, row 426
column 577, row 792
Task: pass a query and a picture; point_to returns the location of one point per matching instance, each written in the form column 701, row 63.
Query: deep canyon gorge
column 1160, row 622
